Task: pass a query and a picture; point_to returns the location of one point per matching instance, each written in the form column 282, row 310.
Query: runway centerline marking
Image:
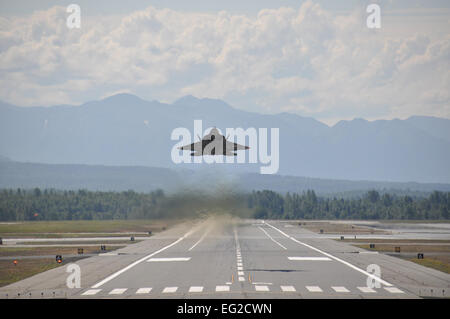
column 169, row 259
column 310, row 258
column 121, row 271
column 271, row 238
column 335, row 258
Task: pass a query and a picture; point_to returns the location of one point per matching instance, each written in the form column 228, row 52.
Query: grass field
column 436, row 253
column 338, row 228
column 47, row 229
column 441, row 263
column 397, row 241
column 27, row 267
column 24, row 268
column 410, row 248
column 42, row 251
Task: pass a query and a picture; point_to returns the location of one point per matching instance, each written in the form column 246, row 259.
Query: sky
column 313, row 58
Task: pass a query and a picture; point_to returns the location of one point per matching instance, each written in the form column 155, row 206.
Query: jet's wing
column 230, row 146
column 192, row 147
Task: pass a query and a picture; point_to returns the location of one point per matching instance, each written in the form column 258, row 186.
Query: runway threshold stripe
column 222, row 288
column 261, row 288
column 169, row 290
column 117, row 291
column 288, row 288
column 340, row 289
column 143, row 291
column 314, row 288
column 333, row 257
column 310, row 258
column 366, row 289
column 394, row 290
column 196, row 289
column 91, row 292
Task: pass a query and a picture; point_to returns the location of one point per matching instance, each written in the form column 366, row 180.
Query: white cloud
column 308, row 61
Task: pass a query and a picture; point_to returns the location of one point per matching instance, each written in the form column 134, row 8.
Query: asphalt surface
column 233, row 258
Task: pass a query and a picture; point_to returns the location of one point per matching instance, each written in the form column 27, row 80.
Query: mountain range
column 125, row 130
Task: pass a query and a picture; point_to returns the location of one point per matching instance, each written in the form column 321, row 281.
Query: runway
column 224, row 257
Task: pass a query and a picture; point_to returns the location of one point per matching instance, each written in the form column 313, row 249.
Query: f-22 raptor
column 213, row 143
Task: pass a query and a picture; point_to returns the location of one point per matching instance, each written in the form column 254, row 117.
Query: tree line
column 48, row 204
column 373, row 205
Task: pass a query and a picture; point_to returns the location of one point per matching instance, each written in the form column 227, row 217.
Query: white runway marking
column 222, row 288
column 267, row 234
column 143, row 291
column 262, row 283
column 314, row 288
column 201, row 238
column 91, row 292
column 340, row 289
column 366, row 289
column 241, row 279
column 169, row 290
column 240, row 273
column 239, row 264
column 117, row 291
column 240, row 268
column 288, row 288
column 261, row 288
column 196, row 289
column 309, row 258
column 394, row 290
column 335, row 258
column 169, row 259
column 117, row 273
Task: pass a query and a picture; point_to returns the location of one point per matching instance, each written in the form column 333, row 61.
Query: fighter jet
column 213, row 143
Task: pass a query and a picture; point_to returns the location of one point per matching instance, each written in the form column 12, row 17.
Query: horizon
column 329, row 124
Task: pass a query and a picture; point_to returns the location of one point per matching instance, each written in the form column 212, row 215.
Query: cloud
column 307, row 60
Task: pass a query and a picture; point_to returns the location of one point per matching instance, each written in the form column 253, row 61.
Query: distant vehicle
column 213, row 143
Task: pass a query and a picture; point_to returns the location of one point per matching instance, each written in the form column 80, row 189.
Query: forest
column 49, row 204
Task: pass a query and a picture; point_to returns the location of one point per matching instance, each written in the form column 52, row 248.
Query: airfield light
column 58, row 259
column 15, row 262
